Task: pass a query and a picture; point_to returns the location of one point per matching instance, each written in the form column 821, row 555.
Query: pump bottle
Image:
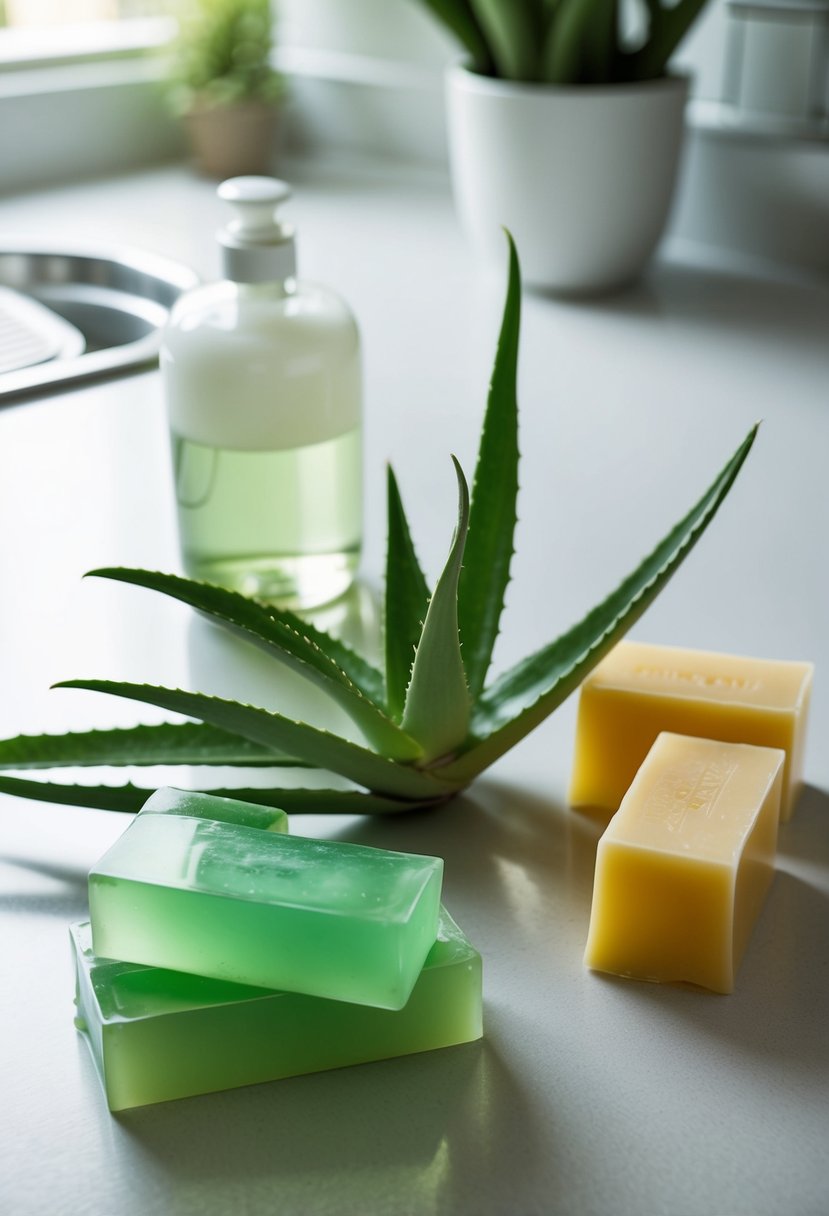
column 262, row 380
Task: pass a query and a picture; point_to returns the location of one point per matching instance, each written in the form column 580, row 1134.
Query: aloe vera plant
column 431, row 721
column 565, row 41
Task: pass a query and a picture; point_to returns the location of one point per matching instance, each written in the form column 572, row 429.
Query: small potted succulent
column 566, row 131
column 224, row 86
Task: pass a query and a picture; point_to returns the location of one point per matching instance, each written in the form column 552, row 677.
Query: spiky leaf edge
column 492, row 512
column 437, row 700
column 319, row 748
column 406, row 602
column 168, row 743
column 130, row 798
column 543, row 680
column 284, row 638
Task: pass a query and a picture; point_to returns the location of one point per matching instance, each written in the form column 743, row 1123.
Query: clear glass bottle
column 262, row 380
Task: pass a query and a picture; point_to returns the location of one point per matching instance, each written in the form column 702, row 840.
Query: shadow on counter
column 401, row 1135
column 727, row 302
column 774, row 1021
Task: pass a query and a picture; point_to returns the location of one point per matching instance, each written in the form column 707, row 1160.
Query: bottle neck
column 274, row 289
column 257, row 262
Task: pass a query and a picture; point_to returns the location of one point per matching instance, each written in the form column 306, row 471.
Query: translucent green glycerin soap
column 169, row 801
column 339, row 921
column 159, row 1034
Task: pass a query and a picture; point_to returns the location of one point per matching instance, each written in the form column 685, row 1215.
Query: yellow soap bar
column 640, row 690
column 684, row 865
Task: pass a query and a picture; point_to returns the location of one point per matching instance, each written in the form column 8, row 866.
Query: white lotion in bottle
column 262, row 379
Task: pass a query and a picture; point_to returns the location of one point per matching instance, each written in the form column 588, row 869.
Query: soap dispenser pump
column 262, row 379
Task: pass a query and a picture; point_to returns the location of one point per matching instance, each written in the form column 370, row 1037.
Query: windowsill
column 76, row 115
column 66, row 78
column 26, row 50
column 77, row 107
column 56, row 126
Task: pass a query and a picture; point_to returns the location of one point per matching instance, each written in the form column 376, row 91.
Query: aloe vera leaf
column 167, row 743
column 288, row 642
column 96, row 797
column 132, row 797
column 513, row 33
column 362, row 674
column 492, row 515
column 562, row 52
column 457, row 16
column 305, row 801
column 567, row 52
column 318, row 748
column 437, row 700
column 406, row 603
column 603, row 42
column 668, row 26
column 521, row 698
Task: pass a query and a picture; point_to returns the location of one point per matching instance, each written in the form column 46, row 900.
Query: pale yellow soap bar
column 684, row 865
column 640, row 690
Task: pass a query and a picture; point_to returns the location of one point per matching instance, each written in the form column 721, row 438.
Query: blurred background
column 80, row 94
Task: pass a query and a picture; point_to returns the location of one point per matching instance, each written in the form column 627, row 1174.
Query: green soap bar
column 340, row 921
column 159, row 1034
column 168, row 801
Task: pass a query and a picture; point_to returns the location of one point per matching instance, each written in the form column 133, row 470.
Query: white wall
column 369, row 72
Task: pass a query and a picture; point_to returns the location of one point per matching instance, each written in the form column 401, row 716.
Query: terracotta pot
column 233, row 140
column 581, row 175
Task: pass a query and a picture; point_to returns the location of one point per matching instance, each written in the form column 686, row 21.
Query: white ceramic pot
column 581, row 175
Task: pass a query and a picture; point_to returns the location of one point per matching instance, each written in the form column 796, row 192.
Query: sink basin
column 118, row 298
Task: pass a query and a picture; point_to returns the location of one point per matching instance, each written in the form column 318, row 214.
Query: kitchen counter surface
column 587, row 1095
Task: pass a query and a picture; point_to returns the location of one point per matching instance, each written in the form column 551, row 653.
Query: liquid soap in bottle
column 262, row 380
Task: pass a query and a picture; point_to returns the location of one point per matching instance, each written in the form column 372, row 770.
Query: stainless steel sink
column 118, row 298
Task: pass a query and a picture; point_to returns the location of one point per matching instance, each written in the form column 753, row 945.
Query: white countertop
column 587, row 1095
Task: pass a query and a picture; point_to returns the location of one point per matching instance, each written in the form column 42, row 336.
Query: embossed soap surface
column 339, row 921
column 640, row 690
column 685, row 864
column 158, row 1034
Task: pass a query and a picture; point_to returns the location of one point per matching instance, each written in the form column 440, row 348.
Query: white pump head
column 256, row 247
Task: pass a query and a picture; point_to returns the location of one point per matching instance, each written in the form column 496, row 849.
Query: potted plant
column 566, row 132
column 224, row 86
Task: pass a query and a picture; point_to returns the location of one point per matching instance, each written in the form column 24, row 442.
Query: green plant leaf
column 360, row 672
column 130, row 798
column 318, row 748
column 437, row 700
column 96, row 797
column 562, row 58
column 406, row 603
column 582, row 45
column 513, row 33
column 305, row 801
column 284, row 637
column 223, row 50
column 457, row 16
column 167, row 743
column 492, row 516
column 668, row 26
column 521, row 698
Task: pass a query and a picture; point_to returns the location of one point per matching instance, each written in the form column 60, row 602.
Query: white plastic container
column 263, row 385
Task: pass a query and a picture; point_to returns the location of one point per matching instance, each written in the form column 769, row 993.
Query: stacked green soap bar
column 159, row 1034
column 222, row 899
column 244, row 954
